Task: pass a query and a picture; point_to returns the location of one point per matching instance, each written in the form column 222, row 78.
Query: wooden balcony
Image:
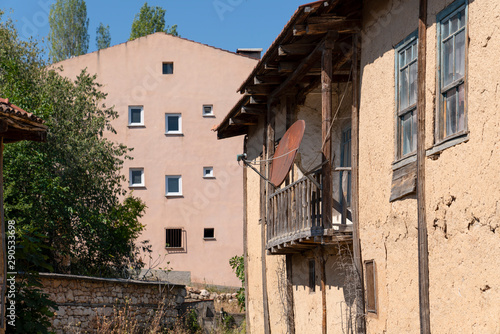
column 294, row 219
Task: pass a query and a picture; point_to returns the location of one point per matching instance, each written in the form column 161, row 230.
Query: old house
column 15, row 125
column 169, row 92
column 387, row 220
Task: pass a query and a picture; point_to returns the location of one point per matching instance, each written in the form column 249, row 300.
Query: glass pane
column 408, row 55
column 172, row 185
column 445, row 31
column 136, row 177
column 451, row 112
column 415, row 51
column 406, row 132
column 459, row 55
column 461, row 107
column 135, row 116
column 402, row 59
column 414, row 131
column 454, row 24
column 447, row 69
column 413, row 84
column 168, row 68
column 462, row 18
column 403, row 89
column 173, row 123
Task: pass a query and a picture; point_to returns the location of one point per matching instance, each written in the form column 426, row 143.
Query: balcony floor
column 304, row 240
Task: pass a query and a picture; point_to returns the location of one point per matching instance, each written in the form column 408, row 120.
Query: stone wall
column 80, row 299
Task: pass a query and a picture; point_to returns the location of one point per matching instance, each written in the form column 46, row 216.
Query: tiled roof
column 11, row 109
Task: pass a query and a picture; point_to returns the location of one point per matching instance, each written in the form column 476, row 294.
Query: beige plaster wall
column 131, row 75
column 462, row 184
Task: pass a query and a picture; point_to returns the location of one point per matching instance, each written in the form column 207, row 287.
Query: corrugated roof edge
column 13, row 110
column 164, row 33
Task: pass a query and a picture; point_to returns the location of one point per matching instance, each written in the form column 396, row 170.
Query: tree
column 69, row 27
column 150, row 20
column 103, row 37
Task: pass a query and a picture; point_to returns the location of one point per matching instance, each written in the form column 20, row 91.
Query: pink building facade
column 169, row 92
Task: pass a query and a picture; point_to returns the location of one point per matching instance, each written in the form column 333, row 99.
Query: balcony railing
column 294, row 217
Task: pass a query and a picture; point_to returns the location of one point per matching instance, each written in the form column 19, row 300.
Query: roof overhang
column 292, row 64
column 17, row 124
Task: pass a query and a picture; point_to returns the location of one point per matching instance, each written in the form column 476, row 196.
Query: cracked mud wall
column 462, row 183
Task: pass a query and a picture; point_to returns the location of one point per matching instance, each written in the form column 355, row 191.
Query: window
column 173, row 238
column 173, row 124
column 371, row 293
column 173, row 185
column 208, row 233
column 135, row 116
column 345, row 161
column 136, row 177
column 208, row 172
column 312, row 275
column 208, row 110
column 406, row 96
column 452, row 118
column 168, row 68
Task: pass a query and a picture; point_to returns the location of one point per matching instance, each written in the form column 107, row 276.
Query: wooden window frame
column 440, row 125
column 409, row 41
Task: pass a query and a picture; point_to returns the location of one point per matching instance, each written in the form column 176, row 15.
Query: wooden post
column 4, row 244
column 322, row 265
column 423, row 251
column 245, row 233
column 360, row 305
column 326, row 119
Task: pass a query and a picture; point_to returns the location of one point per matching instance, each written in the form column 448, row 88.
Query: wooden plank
column 263, row 203
column 423, row 250
column 245, row 231
column 404, row 181
column 256, row 110
column 259, row 89
column 295, row 49
column 326, row 118
column 287, row 66
column 341, row 26
column 238, row 121
column 322, row 265
column 256, row 100
column 289, row 294
column 268, row 79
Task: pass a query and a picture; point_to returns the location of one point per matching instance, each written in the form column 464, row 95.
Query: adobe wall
column 81, row 298
column 462, row 183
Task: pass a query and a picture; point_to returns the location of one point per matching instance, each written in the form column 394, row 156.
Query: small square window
column 136, row 177
column 173, row 238
column 209, row 233
column 168, row 68
column 135, row 116
column 208, row 172
column 173, row 185
column 208, row 110
column 173, row 124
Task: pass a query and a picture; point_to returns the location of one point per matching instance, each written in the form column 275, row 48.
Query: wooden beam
column 256, row 100
column 305, row 65
column 287, row 66
column 295, row 49
column 326, row 118
column 322, row 265
column 259, row 89
column 268, row 79
column 236, row 121
column 360, row 304
column 245, row 231
column 253, row 110
column 341, row 26
column 289, row 294
column 263, row 214
column 423, row 249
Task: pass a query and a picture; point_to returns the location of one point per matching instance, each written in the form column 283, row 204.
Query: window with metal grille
column 371, row 292
column 173, row 238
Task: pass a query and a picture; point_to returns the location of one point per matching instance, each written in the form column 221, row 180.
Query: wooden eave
column 292, row 64
column 17, row 124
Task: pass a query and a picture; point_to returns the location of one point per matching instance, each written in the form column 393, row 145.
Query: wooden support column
column 360, row 304
column 322, row 266
column 326, row 119
column 245, row 232
column 423, row 250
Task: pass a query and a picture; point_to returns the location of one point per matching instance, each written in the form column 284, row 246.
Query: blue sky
column 227, row 24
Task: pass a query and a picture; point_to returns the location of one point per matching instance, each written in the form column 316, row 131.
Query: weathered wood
column 287, row 66
column 268, row 79
column 360, row 305
column 295, row 49
column 263, row 210
column 245, row 231
column 253, row 110
column 322, row 265
column 259, row 89
column 423, row 250
column 326, row 118
column 256, row 100
column 237, row 121
column 341, row 26
column 289, row 294
column 404, row 181
column 344, row 181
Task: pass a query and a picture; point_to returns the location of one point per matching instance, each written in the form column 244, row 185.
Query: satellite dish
column 286, row 152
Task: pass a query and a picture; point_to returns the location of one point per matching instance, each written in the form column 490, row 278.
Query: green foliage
column 238, row 265
column 150, row 20
column 191, row 322
column 103, row 37
column 69, row 27
column 70, row 187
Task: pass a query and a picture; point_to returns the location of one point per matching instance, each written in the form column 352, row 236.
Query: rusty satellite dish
column 286, row 152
